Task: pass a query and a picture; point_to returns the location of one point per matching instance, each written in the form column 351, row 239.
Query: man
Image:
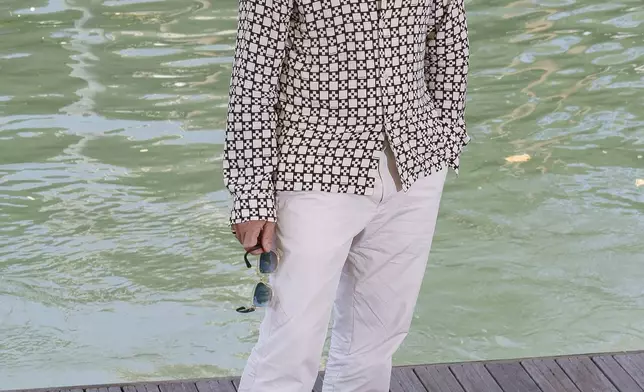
column 344, row 118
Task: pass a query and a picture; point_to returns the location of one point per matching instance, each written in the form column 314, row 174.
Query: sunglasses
column 263, row 293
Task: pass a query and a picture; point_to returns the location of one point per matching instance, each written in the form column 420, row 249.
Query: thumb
column 268, row 233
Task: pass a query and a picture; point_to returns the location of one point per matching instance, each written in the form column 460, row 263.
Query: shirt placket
column 385, row 74
column 384, row 71
column 382, row 6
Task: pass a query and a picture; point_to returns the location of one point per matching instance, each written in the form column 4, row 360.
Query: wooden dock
column 605, row 372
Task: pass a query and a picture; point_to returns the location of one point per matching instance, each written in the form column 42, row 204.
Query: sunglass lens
column 268, row 263
column 262, row 296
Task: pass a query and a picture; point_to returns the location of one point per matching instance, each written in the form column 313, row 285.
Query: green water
column 116, row 263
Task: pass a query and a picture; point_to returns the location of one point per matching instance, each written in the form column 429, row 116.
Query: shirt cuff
column 253, row 206
column 456, row 138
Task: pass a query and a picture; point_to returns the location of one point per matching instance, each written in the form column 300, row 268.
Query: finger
column 267, row 236
column 250, row 238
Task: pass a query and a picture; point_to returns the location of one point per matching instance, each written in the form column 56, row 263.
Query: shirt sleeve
column 447, row 64
column 250, row 151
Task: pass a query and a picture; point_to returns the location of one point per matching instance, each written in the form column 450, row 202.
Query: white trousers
column 362, row 257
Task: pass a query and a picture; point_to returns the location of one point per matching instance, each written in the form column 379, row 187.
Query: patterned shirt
column 319, row 86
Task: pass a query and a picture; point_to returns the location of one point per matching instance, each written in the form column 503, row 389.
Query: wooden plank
column 438, row 378
column 633, row 364
column 215, row 386
column 404, row 380
column 616, row 374
column 318, row 382
column 178, row 387
column 236, row 381
column 316, row 388
column 101, row 389
column 511, row 376
column 585, row 374
column 474, row 377
column 141, row 388
column 549, row 376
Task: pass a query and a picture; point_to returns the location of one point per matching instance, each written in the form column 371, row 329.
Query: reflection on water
column 116, row 262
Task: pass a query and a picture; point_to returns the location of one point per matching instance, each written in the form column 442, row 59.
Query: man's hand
column 252, row 233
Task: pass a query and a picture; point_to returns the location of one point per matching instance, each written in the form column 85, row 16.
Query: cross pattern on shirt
column 318, row 86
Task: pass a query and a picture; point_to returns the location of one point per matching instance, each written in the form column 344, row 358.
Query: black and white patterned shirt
column 319, row 85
